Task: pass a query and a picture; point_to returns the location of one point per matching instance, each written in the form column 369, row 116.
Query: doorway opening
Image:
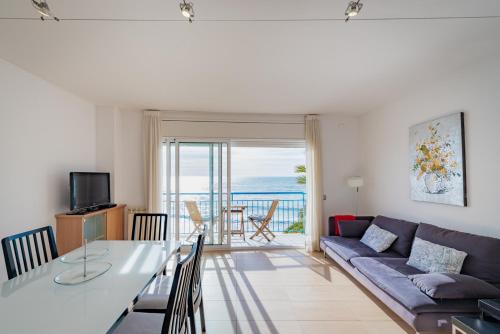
column 230, row 187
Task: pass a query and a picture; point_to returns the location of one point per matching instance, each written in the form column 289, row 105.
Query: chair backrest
column 195, row 291
column 270, row 213
column 176, row 313
column 193, row 211
column 149, row 226
column 25, row 251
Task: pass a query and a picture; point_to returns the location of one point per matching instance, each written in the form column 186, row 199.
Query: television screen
column 89, row 190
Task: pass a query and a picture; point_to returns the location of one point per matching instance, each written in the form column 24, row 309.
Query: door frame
column 168, row 172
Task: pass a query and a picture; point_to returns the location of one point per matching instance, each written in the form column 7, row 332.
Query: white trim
column 169, row 185
column 219, row 192
column 228, row 195
column 177, row 187
column 269, row 143
column 193, row 116
column 232, row 126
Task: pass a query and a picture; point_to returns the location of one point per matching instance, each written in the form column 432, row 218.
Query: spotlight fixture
column 353, row 9
column 187, row 10
column 42, row 7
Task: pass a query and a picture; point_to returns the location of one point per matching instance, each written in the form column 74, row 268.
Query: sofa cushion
column 348, row 248
column 353, row 228
column 454, row 286
column 482, row 260
column 434, row 258
column 405, row 231
column 391, row 275
column 378, row 239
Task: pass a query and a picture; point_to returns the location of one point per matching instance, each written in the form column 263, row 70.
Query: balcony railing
column 288, row 217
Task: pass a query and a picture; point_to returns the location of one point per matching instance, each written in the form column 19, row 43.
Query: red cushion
column 339, row 218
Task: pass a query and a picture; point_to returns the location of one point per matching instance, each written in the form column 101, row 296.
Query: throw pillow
column 378, row 239
column 434, row 258
column 454, row 286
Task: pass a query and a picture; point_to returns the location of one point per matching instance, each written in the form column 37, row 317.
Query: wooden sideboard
column 106, row 224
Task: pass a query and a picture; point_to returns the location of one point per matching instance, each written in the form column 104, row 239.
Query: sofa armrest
column 353, row 228
column 331, row 222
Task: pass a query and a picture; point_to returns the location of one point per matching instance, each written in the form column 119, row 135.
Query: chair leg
column 256, row 226
column 202, row 317
column 265, row 227
column 261, row 231
column 243, row 229
column 191, row 317
column 192, row 324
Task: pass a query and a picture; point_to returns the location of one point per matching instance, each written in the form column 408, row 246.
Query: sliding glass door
column 198, row 188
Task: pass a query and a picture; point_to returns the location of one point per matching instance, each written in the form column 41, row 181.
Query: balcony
column 286, row 224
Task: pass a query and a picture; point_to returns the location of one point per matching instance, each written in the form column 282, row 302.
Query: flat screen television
column 89, row 190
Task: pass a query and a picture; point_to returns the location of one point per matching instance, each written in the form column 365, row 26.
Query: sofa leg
column 324, row 254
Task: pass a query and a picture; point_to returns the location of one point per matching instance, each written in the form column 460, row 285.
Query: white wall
column 341, row 159
column 340, row 136
column 130, row 174
column 45, row 133
column 474, row 90
column 119, row 151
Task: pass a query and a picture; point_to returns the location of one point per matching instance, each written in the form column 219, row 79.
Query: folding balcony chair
column 195, row 215
column 261, row 222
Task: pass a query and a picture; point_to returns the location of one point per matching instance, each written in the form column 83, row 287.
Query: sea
column 266, row 184
column 256, row 193
column 255, row 184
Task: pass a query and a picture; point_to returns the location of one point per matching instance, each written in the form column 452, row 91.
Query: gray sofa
column 386, row 274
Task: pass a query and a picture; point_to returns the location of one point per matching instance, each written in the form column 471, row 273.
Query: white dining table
column 34, row 303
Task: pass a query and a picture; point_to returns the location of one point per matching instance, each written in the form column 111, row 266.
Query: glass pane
column 260, row 175
column 201, row 189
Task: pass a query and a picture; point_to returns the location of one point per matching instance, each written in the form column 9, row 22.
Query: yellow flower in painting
column 434, row 155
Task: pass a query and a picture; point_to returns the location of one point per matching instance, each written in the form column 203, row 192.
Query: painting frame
column 437, row 156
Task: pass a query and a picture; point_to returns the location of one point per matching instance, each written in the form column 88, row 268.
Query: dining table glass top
column 35, row 303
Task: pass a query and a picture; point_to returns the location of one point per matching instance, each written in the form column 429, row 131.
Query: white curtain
column 314, row 209
column 152, row 160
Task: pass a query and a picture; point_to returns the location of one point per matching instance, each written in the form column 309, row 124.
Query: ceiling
column 265, row 66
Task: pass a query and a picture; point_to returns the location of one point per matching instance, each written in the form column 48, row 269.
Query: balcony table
column 34, row 303
column 240, row 209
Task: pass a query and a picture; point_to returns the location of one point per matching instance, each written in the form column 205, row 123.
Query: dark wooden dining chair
column 157, row 295
column 149, row 226
column 25, row 251
column 174, row 318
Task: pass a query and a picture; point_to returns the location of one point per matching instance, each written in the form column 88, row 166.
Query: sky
column 246, row 161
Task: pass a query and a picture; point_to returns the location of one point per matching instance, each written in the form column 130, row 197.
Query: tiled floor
column 287, row 291
column 281, row 240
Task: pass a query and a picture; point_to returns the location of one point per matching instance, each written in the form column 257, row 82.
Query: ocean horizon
column 200, row 184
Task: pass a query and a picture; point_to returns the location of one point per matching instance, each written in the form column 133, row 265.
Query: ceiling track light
column 353, row 9
column 187, row 10
column 42, row 7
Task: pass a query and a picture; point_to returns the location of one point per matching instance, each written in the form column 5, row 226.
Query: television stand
column 100, row 224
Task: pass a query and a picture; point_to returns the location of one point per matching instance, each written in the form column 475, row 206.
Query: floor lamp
column 355, row 182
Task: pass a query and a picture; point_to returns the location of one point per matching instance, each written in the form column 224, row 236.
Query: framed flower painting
column 437, row 161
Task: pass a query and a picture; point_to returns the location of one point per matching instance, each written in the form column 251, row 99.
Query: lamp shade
column 355, row 181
